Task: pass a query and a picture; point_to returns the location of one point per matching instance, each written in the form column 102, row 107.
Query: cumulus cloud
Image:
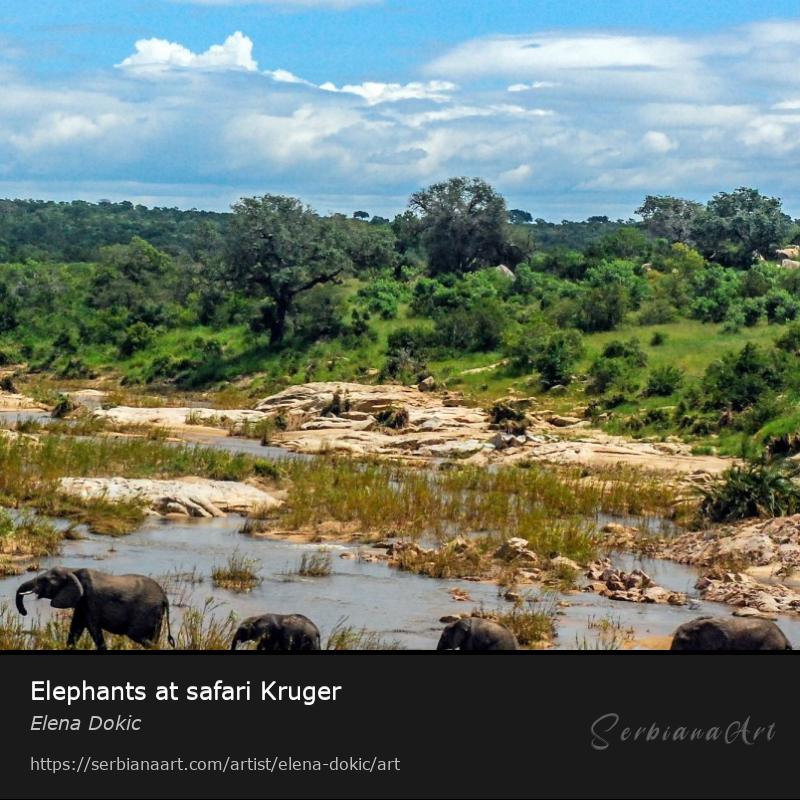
column 155, row 56
column 591, row 118
column 58, row 128
column 658, row 142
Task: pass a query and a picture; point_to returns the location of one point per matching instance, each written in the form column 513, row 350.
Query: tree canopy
column 279, row 248
column 736, row 226
column 461, row 224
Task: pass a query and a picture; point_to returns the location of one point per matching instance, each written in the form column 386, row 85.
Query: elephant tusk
column 23, row 594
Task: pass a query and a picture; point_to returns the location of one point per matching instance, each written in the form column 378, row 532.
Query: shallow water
column 8, row 419
column 397, row 605
column 238, row 444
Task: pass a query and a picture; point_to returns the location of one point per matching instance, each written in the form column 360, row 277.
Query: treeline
column 44, row 230
column 274, row 287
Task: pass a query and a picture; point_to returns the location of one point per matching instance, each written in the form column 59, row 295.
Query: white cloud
column 374, row 92
column 548, row 53
column 307, row 135
column 658, row 142
column 527, row 87
column 58, row 128
column 155, row 56
column 631, row 114
column 284, row 76
column 516, row 175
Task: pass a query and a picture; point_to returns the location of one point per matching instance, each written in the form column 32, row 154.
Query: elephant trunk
column 236, row 639
column 26, row 588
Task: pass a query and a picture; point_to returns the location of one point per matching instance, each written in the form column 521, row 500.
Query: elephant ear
column 69, row 594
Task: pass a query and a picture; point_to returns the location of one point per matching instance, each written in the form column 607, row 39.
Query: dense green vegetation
column 685, row 322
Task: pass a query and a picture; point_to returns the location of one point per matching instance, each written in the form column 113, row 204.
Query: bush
column 780, row 306
column 383, row 296
column 136, row 337
column 664, row 381
column 630, row 350
column 738, row 380
column 611, row 373
column 552, row 353
column 789, row 340
column 753, row 311
column 395, row 417
column 657, row 312
column 658, row 338
column 759, row 488
column 477, row 327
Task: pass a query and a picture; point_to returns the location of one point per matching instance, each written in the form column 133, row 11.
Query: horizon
column 569, row 110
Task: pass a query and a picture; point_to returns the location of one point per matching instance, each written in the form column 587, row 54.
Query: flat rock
column 195, row 497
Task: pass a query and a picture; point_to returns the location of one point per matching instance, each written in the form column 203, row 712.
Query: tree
column 461, row 224
column 360, row 215
column 279, row 248
column 668, row 217
column 516, row 216
column 735, row 226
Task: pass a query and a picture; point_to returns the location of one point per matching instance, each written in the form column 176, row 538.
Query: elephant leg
column 76, row 628
column 96, row 632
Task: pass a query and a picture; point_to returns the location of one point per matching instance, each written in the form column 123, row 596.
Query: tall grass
column 30, row 471
column 555, row 509
column 239, row 573
column 199, row 628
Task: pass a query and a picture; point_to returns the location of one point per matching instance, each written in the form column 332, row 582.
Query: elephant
column 477, row 634
column 288, row 633
column 729, row 633
column 130, row 605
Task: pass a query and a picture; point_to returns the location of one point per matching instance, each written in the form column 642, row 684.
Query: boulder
column 427, row 384
column 562, row 562
column 195, row 497
column 563, row 421
column 790, row 263
column 516, row 550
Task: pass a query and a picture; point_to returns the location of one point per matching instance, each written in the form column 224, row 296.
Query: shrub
column 383, row 296
column 631, row 350
column 664, row 381
column 780, row 306
column 395, row 417
column 657, row 312
column 658, row 338
column 552, row 353
column 739, row 380
column 790, row 339
column 760, row 488
column 753, row 311
column 136, row 337
column 611, row 373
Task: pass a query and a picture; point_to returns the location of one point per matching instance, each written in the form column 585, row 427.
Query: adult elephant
column 288, row 633
column 729, row 633
column 476, row 634
column 129, row 605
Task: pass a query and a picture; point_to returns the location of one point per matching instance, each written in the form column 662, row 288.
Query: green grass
column 553, row 508
column 30, row 471
column 239, row 573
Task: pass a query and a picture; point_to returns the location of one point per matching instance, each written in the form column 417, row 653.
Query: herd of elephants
column 136, row 606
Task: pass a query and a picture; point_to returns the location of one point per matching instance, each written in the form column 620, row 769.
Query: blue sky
column 569, row 108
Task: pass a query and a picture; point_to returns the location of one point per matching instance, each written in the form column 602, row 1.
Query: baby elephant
column 288, row 633
column 130, row 605
column 476, row 634
column 729, row 633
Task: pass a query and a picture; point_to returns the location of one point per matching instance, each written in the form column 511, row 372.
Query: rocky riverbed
column 415, row 423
